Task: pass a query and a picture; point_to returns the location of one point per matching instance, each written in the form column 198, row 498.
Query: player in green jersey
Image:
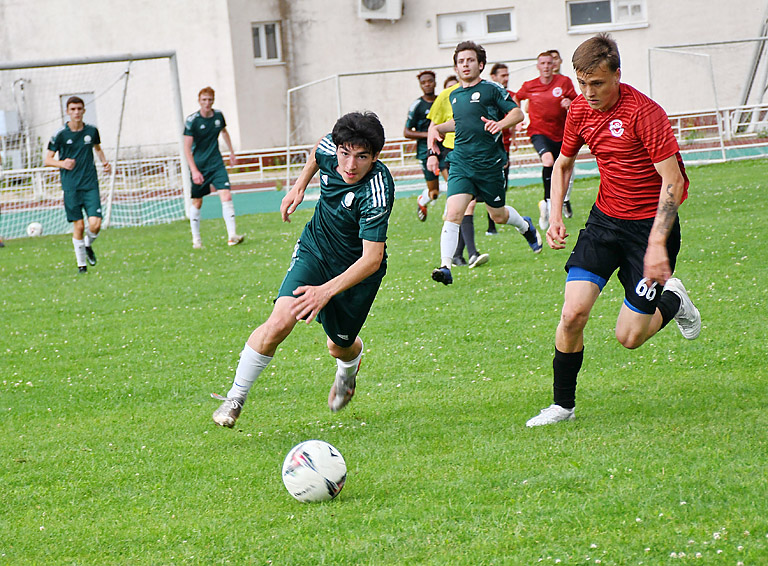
column 481, row 110
column 201, row 148
column 71, row 149
column 337, row 264
column 416, row 126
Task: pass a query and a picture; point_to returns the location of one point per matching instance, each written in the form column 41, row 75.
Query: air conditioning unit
column 380, row 9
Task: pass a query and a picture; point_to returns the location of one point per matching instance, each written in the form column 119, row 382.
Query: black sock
column 669, row 304
column 491, row 224
column 467, row 230
column 459, row 247
column 566, row 368
column 546, row 176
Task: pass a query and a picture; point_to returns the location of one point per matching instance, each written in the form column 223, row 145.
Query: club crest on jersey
column 348, row 198
column 616, row 128
column 557, row 92
column 87, row 139
column 217, row 123
column 475, row 97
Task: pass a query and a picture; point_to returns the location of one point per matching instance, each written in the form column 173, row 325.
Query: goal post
column 133, row 99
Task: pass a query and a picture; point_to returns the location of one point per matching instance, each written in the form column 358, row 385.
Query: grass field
column 109, row 455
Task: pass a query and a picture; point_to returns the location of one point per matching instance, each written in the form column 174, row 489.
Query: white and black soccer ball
column 34, row 229
column 314, row 471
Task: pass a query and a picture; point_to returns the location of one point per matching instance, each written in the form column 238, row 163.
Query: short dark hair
column 427, row 72
column 497, row 67
column 450, row 79
column 594, row 52
column 470, row 46
column 359, row 129
column 553, row 51
column 74, row 100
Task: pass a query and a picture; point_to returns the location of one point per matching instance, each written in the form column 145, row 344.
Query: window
column 266, row 42
column 589, row 16
column 490, row 26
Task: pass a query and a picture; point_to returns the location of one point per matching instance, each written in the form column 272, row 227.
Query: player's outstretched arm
column 513, row 117
column 433, row 137
column 103, row 158
column 656, row 263
column 311, row 300
column 561, row 176
column 230, row 147
column 295, row 196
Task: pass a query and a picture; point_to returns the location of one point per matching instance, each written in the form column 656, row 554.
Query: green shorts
column 488, row 186
column 344, row 315
column 79, row 199
column 217, row 177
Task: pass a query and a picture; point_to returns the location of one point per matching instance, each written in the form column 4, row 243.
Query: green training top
column 205, row 135
column 417, row 120
column 476, row 148
column 78, row 146
column 345, row 214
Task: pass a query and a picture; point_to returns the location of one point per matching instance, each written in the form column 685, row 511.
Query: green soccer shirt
column 205, row 139
column 345, row 214
column 417, row 120
column 475, row 148
column 78, row 146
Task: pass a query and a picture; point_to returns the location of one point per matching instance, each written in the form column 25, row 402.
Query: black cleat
column 82, row 269
column 90, row 255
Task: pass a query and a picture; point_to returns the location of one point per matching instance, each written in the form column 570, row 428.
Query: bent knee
column 573, row 320
column 630, row 339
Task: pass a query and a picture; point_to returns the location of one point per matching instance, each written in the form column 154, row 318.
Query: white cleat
column 197, row 243
column 342, row 391
column 226, row 415
column 551, row 415
column 688, row 318
column 234, row 240
column 478, row 259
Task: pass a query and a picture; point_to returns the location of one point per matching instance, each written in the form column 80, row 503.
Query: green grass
column 108, row 454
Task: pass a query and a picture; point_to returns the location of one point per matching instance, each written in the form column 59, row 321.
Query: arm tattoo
column 667, row 212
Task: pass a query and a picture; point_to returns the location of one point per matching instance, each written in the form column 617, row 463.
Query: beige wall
column 321, row 39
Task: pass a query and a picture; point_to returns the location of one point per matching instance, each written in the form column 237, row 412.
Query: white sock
column 424, row 199
column 79, row 251
column 516, row 220
column 449, row 239
column 228, row 212
column 570, row 186
column 549, row 207
column 248, row 369
column 89, row 237
column 349, row 369
column 194, row 221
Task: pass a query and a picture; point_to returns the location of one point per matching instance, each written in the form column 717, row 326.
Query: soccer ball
column 35, row 229
column 314, row 471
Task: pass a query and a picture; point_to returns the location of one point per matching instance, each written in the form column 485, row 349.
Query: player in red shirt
column 549, row 97
column 633, row 226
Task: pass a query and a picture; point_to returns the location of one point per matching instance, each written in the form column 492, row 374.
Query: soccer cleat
column 532, row 236
column 551, row 415
column 478, row 259
column 342, row 391
column 459, row 261
column 543, row 215
column 197, row 244
column 90, row 255
column 82, row 269
column 688, row 318
column 492, row 233
column 442, row 275
column 567, row 210
column 234, row 240
column 421, row 212
column 226, row 415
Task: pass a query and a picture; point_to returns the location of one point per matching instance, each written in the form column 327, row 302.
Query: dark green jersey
column 78, row 146
column 205, row 139
column 476, row 148
column 417, row 120
column 345, row 214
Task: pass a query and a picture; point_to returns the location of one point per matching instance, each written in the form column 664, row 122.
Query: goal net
column 132, row 100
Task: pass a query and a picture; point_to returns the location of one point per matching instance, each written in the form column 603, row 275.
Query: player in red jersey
column 549, row 97
column 633, row 226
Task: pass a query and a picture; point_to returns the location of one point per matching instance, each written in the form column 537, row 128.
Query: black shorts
column 606, row 244
column 442, row 161
column 542, row 144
